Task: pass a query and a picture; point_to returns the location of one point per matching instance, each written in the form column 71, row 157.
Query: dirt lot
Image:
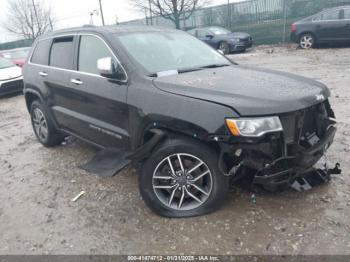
column 37, row 185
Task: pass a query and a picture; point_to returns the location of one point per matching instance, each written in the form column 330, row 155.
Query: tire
column 43, row 126
column 307, row 41
column 186, row 200
column 224, row 47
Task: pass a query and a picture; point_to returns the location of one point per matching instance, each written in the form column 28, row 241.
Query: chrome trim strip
column 75, row 71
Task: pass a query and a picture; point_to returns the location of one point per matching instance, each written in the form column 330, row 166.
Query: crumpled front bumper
column 276, row 159
column 300, row 163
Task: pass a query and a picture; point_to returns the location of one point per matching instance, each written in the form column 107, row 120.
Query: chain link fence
column 268, row 21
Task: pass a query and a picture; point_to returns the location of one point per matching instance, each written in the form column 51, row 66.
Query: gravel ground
column 37, row 185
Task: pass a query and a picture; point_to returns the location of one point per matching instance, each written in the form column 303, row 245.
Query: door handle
column 43, row 74
column 76, row 81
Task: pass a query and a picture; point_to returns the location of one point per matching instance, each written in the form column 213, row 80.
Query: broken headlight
column 254, row 127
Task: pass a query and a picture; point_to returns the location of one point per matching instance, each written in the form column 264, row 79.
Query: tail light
column 294, row 28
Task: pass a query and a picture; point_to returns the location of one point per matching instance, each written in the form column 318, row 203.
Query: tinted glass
column 219, row 31
column 91, row 49
column 5, row 63
column 62, row 52
column 41, row 52
column 331, row 15
column 346, row 13
column 162, row 51
column 203, row 33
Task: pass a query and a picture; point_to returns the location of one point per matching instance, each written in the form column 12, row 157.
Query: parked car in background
column 182, row 110
column 18, row 56
column 223, row 39
column 327, row 27
column 10, row 77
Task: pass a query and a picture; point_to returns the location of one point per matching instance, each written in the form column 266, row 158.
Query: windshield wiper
column 214, row 66
column 191, row 69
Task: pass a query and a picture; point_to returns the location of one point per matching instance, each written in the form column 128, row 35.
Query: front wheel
column 307, row 41
column 224, row 47
column 182, row 179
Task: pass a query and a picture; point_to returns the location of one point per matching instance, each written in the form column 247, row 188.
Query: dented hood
column 249, row 91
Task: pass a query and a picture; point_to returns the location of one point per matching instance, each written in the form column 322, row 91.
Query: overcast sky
column 69, row 13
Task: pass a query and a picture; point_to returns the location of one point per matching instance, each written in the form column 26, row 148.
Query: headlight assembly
column 254, row 127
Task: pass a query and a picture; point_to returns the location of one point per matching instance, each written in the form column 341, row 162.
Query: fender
column 28, row 91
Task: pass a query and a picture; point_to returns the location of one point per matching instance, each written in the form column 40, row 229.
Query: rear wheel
column 43, row 126
column 224, row 47
column 181, row 179
column 307, row 41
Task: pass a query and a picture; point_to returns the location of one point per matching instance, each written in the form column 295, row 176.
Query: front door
column 99, row 102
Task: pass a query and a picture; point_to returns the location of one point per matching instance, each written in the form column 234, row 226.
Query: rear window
column 346, row 13
column 331, row 15
column 62, row 52
column 41, row 52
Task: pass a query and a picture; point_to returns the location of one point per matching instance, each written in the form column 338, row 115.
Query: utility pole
column 228, row 14
column 101, row 11
column 150, row 11
column 285, row 20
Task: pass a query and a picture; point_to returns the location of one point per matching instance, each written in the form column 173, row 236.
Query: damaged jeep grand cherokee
column 187, row 114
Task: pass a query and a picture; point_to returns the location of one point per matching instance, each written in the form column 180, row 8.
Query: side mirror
column 105, row 67
column 209, row 36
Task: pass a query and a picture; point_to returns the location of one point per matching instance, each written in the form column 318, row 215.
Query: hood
column 249, row 91
column 10, row 72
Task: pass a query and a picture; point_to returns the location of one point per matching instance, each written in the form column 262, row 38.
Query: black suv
column 327, row 27
column 183, row 111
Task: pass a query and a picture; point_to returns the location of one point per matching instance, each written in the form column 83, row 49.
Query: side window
column 91, row 49
column 331, row 15
column 62, row 52
column 41, row 52
column 202, row 33
column 346, row 13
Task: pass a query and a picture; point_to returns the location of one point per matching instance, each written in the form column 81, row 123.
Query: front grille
column 10, row 87
column 306, row 127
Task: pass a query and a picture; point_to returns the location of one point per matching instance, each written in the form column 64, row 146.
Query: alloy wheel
column 306, row 42
column 182, row 182
column 40, row 124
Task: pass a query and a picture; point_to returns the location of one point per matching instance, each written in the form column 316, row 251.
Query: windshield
column 21, row 54
column 219, row 31
column 5, row 63
column 164, row 51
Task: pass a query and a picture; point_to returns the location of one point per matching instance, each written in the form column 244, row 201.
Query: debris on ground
column 78, row 196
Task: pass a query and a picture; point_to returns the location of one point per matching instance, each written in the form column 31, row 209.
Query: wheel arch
column 305, row 33
column 30, row 96
column 155, row 132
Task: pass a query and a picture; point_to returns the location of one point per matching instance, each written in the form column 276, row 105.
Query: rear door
column 329, row 26
column 97, row 105
column 346, row 23
column 57, row 79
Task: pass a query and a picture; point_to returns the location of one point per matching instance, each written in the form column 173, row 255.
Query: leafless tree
column 28, row 18
column 174, row 10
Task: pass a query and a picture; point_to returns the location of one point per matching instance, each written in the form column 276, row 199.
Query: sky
column 70, row 13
